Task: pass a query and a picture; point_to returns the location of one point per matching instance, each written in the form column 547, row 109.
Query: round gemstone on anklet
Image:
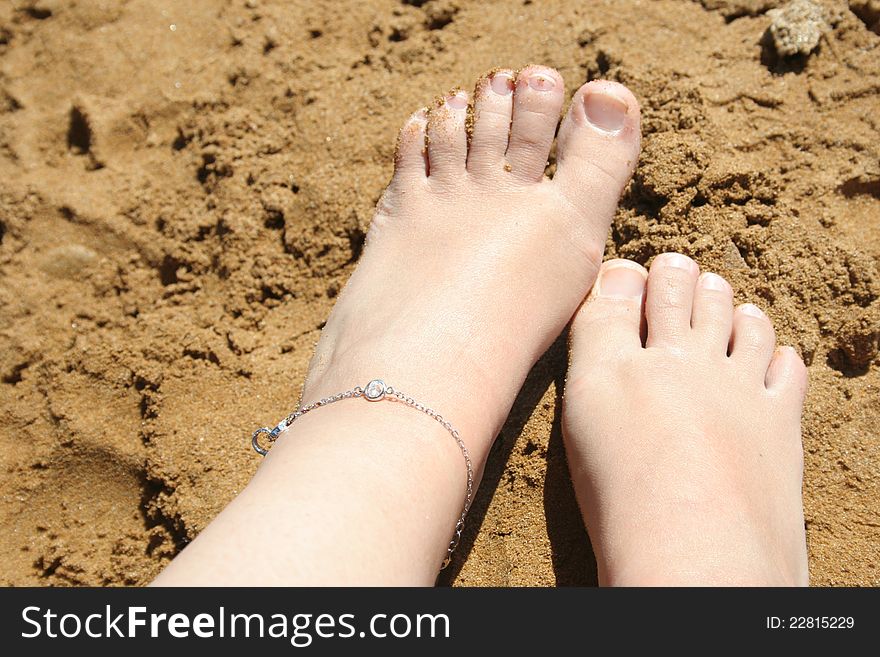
column 375, row 390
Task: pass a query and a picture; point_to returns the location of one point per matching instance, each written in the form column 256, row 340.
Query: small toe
column 753, row 339
column 410, row 157
column 537, row 103
column 493, row 108
column 611, row 318
column 787, row 374
column 712, row 315
column 670, row 299
column 447, row 137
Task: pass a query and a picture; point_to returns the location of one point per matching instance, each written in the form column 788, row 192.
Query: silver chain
column 374, row 391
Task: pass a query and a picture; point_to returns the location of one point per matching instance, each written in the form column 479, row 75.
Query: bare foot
column 475, row 260
column 474, row 263
column 682, row 427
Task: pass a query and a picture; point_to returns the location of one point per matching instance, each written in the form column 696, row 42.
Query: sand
column 186, row 187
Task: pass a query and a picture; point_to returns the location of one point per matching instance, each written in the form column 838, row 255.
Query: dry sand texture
column 186, row 186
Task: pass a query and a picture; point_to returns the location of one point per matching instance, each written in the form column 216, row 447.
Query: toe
column 787, row 375
column 712, row 315
column 753, row 340
column 598, row 147
column 410, row 158
column 447, row 138
column 493, row 107
column 537, row 102
column 670, row 299
column 611, row 318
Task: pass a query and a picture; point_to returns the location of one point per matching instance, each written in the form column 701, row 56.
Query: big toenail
column 752, row 310
column 605, row 111
column 541, row 82
column 714, row 282
column 676, row 260
column 501, row 84
column 621, row 282
column 457, row 101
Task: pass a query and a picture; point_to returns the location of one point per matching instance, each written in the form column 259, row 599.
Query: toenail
column 541, row 82
column 714, row 282
column 605, row 111
column 752, row 310
column 676, row 260
column 457, row 101
column 501, row 84
column 621, row 282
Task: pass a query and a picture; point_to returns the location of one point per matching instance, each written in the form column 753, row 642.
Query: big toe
column 611, row 320
column 598, row 148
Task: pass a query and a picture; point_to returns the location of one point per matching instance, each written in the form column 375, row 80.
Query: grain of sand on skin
column 170, row 248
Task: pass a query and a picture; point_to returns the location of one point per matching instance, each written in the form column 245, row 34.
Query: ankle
column 388, row 460
column 474, row 401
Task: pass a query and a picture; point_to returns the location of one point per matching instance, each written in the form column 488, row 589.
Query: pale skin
column 475, row 262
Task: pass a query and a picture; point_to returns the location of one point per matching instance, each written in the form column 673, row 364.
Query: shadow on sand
column 572, row 557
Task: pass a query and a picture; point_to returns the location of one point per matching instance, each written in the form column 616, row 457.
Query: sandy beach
column 185, row 188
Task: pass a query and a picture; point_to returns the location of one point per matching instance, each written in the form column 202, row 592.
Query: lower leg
column 353, row 493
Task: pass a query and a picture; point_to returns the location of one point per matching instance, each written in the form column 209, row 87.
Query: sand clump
column 796, row 28
column 181, row 207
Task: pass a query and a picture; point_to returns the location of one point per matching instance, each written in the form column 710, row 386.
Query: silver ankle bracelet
column 375, row 391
